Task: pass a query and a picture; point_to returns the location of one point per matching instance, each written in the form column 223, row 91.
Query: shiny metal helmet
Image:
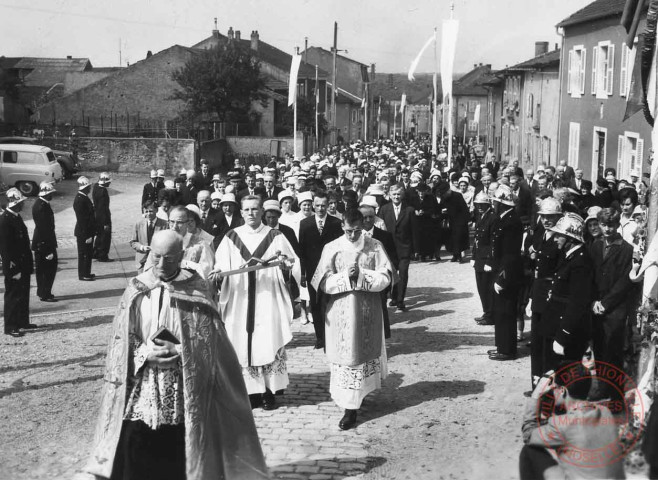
column 571, row 225
column 550, row 206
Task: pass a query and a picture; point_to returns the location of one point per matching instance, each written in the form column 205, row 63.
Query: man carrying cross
column 256, row 306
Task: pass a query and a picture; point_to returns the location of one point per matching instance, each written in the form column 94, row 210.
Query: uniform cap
column 46, row 188
column 104, row 178
column 154, row 174
column 14, row 196
column 83, row 182
column 160, row 173
column 550, row 206
column 482, row 197
column 571, row 225
column 504, row 195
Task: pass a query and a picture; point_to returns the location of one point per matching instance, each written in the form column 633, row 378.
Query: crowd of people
column 329, row 239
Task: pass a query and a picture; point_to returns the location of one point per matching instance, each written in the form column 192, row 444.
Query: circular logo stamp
column 590, row 433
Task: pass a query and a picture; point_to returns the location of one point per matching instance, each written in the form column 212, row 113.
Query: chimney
column 237, row 35
column 372, row 72
column 215, row 32
column 69, row 57
column 555, row 46
column 254, row 40
column 475, row 65
column 230, row 33
column 149, row 54
column 541, row 48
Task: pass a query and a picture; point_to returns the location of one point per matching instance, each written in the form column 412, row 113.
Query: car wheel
column 27, row 188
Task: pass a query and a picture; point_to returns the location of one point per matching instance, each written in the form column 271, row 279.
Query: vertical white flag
column 448, row 46
column 476, row 116
column 292, row 85
column 403, row 102
column 416, row 61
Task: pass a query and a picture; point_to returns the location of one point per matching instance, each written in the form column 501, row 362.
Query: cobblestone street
column 445, row 410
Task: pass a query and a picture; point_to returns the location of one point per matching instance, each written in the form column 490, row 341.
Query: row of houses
column 565, row 103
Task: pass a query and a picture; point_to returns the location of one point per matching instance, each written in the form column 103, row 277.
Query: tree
column 224, row 80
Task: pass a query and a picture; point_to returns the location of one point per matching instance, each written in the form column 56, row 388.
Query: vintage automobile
column 68, row 160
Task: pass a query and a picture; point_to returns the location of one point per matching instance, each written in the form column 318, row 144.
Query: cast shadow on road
column 18, row 387
column 406, row 341
column 301, row 339
column 84, row 323
column 414, row 316
column 394, row 398
column 336, row 467
column 418, row 297
column 306, row 389
column 68, row 361
column 115, row 292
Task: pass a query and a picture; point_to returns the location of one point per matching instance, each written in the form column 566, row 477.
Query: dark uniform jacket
column 482, row 240
column 389, row 245
column 507, row 236
column 546, row 256
column 85, row 225
column 311, row 242
column 567, row 315
column 101, row 199
column 14, row 246
column 225, row 226
column 44, row 240
column 150, row 192
column 401, row 230
column 613, row 287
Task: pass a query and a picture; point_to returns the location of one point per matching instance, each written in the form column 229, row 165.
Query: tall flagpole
column 450, row 126
column 436, row 92
column 317, row 103
column 395, row 118
column 365, row 116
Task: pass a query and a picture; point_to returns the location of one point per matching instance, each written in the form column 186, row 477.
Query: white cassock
column 256, row 306
column 354, row 335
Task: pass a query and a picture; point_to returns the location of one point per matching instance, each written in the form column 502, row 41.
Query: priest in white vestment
column 353, row 270
column 256, row 306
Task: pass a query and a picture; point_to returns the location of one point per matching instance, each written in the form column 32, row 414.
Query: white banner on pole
column 416, row 61
column 292, row 85
column 448, row 46
column 476, row 116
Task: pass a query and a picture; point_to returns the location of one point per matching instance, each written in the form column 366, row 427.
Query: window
column 630, row 153
column 627, row 63
column 10, row 157
column 603, row 63
column 529, row 105
column 574, row 143
column 472, row 126
column 599, row 153
column 471, row 105
column 355, row 116
column 576, row 73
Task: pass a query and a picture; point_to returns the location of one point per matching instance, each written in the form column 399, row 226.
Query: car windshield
column 51, row 157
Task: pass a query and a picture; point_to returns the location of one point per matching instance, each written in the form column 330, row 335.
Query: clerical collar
column 170, row 278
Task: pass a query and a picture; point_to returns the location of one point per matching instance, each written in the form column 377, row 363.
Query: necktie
column 269, row 194
column 149, row 232
column 320, row 226
column 160, row 302
column 204, row 215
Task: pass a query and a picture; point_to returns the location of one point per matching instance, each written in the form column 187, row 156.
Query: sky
column 388, row 33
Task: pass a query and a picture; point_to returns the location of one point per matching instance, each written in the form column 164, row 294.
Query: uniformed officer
column 85, row 229
column 44, row 243
column 543, row 254
column 17, row 265
column 482, row 261
column 566, row 320
column 101, row 199
column 151, row 189
column 507, row 272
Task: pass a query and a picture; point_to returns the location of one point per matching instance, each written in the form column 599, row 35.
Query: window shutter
column 611, row 68
column 640, row 155
column 569, row 71
column 623, row 74
column 583, row 64
column 620, row 152
column 595, row 55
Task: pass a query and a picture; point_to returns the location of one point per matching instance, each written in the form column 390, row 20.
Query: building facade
column 595, row 80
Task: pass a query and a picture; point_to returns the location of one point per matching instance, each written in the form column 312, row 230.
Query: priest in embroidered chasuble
column 173, row 404
column 353, row 270
column 256, row 306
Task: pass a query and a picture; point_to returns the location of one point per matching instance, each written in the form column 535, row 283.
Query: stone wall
column 136, row 155
column 265, row 145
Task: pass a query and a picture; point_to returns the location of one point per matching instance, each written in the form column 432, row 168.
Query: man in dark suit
column 17, row 265
column 101, row 199
column 251, row 188
column 569, row 173
column 151, row 189
column 209, row 217
column 203, row 179
column 229, row 218
column 612, row 258
column 85, row 229
column 271, row 189
column 482, row 261
column 314, row 233
column 143, row 233
column 44, row 243
column 398, row 219
column 367, row 209
column 508, row 272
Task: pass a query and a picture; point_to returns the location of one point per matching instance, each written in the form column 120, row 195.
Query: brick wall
column 136, row 155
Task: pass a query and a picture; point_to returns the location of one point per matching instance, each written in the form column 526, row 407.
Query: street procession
column 257, row 256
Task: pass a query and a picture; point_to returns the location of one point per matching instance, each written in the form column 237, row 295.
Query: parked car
column 69, row 161
column 26, row 166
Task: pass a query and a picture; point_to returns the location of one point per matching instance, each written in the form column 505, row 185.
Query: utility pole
column 334, row 88
column 305, row 49
column 317, row 104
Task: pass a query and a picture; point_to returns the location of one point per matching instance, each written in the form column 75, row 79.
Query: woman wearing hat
column 592, row 230
column 229, row 218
